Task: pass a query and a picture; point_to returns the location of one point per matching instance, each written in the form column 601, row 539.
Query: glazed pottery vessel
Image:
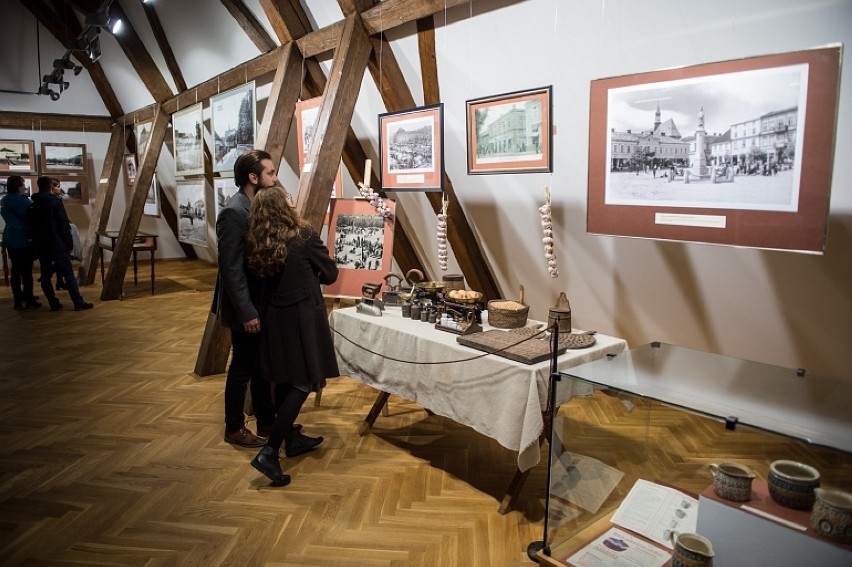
column 791, row 484
column 832, row 515
column 732, row 481
column 691, row 550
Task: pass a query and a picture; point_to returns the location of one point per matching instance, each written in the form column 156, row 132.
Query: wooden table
column 144, row 242
column 497, row 397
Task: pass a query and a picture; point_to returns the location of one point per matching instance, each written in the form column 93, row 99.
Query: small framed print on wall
column 129, row 169
column 188, row 132
column 17, row 156
column 63, row 158
column 152, row 199
column 411, row 149
column 75, row 189
column 360, row 241
column 307, row 112
column 510, row 133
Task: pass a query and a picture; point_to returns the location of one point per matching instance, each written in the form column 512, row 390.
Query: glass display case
column 664, row 414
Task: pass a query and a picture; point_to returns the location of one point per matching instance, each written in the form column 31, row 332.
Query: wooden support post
column 335, row 115
column 281, row 105
column 103, row 204
column 215, row 348
column 133, row 213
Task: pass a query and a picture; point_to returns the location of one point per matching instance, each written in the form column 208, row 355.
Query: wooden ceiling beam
column 65, row 28
column 55, row 122
column 250, row 24
column 164, row 45
column 333, row 119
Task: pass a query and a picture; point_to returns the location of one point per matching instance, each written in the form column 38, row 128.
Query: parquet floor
column 111, row 453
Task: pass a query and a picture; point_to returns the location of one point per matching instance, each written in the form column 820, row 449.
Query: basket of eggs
column 464, row 296
column 508, row 313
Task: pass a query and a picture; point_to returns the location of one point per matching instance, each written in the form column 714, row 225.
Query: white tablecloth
column 495, row 396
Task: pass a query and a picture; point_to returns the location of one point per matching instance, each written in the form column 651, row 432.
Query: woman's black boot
column 267, row 462
column 295, row 443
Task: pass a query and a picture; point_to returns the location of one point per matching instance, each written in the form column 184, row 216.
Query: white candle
column 367, row 170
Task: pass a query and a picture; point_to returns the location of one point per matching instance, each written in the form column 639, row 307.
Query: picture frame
column 75, row 188
column 192, row 212
column 234, row 125
column 510, row 133
column 307, row 112
column 362, row 258
column 152, row 199
column 63, row 158
column 29, row 184
column 411, row 149
column 188, row 139
column 143, row 136
column 130, row 169
column 737, row 153
column 17, row 156
column 224, row 188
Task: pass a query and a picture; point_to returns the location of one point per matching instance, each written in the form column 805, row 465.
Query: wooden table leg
column 508, row 503
column 135, row 270
column 380, row 402
column 152, row 272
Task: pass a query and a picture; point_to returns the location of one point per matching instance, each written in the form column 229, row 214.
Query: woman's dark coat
column 296, row 343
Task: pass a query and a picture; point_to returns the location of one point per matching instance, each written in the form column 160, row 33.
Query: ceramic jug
column 691, row 550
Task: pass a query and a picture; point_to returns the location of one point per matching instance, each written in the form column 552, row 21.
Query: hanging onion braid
column 273, row 222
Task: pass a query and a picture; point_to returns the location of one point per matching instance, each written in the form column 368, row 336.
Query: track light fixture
column 66, row 63
column 102, row 19
column 94, row 49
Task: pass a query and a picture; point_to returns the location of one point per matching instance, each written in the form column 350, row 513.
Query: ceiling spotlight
column 116, row 25
column 57, row 77
column 63, row 64
column 98, row 19
column 45, row 90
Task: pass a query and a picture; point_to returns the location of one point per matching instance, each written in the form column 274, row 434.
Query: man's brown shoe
column 244, row 438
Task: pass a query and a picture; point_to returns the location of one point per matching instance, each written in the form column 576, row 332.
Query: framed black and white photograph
column 361, row 242
column 152, row 199
column 129, row 169
column 411, row 149
column 188, row 133
column 192, row 210
column 29, row 185
column 510, row 133
column 17, row 156
column 224, row 188
column 143, row 136
column 233, row 123
column 74, row 189
column 307, row 112
column 63, row 158
column 734, row 152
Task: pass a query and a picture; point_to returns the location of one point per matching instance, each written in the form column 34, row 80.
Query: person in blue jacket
column 16, row 239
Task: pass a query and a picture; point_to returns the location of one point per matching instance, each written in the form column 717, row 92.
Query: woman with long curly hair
column 287, row 262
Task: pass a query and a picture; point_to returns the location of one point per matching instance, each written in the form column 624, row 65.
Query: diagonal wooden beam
column 66, row 28
column 250, row 24
column 164, row 45
column 460, row 234
column 335, row 115
column 113, row 160
column 133, row 213
column 281, row 104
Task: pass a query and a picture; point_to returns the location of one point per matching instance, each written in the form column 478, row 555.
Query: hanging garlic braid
column 273, row 222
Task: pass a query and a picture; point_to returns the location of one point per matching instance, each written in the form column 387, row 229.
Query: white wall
column 782, row 308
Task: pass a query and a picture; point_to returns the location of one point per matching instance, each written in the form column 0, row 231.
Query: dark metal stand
column 541, row 546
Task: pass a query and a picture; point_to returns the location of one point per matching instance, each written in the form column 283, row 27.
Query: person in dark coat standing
column 51, row 231
column 14, row 209
column 287, row 262
column 253, row 173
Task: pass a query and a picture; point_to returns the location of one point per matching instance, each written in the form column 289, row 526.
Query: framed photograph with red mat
column 361, row 242
column 735, row 153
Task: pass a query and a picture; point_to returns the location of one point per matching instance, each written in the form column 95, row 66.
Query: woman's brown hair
column 273, row 222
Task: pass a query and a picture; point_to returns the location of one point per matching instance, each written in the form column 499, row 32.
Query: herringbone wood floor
column 112, row 454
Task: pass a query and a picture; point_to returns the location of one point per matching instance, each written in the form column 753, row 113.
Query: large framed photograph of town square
column 411, row 149
column 63, row 158
column 734, row 153
column 510, row 133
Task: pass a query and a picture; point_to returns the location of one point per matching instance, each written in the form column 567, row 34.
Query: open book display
column 641, row 528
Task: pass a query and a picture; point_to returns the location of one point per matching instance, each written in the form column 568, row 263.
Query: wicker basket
column 502, row 318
